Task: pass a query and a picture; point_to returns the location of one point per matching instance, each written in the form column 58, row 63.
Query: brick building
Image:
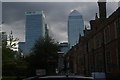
column 99, row 51
column 75, row 58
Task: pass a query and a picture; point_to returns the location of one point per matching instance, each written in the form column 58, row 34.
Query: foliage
column 12, row 77
column 43, row 54
column 8, row 61
column 9, row 78
column 12, row 65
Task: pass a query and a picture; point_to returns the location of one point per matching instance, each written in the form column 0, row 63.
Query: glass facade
column 64, row 47
column 21, row 46
column 75, row 27
column 35, row 25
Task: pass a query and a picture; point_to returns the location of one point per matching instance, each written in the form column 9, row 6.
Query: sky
column 13, row 16
column 0, row 16
column 58, row 0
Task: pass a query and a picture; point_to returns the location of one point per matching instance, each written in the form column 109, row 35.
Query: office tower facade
column 35, row 28
column 64, row 47
column 3, row 39
column 21, row 47
column 75, row 27
column 4, row 36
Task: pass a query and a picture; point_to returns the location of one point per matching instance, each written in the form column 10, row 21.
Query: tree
column 12, row 41
column 8, row 61
column 44, row 55
column 11, row 65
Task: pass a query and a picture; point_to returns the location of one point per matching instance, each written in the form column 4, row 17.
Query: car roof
column 60, row 77
column 67, row 77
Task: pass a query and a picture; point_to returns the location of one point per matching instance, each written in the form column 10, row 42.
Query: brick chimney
column 102, row 8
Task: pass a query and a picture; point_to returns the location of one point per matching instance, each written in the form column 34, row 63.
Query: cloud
column 0, row 12
column 17, row 28
column 59, row 32
column 56, row 15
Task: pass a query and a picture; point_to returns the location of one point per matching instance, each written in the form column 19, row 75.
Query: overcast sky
column 56, row 15
column 58, row 0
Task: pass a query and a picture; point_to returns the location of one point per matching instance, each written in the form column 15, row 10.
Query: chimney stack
column 102, row 8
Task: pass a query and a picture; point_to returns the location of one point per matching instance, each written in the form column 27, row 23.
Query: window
column 99, row 62
column 86, row 46
column 90, row 45
column 117, row 24
column 107, row 34
column 98, row 41
column 108, row 61
column 119, row 56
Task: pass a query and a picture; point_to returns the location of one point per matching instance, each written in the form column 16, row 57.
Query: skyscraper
column 35, row 28
column 75, row 27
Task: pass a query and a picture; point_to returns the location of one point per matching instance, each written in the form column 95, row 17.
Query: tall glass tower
column 35, row 28
column 75, row 27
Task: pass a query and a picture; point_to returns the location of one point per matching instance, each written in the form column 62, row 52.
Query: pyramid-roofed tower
column 75, row 13
column 75, row 27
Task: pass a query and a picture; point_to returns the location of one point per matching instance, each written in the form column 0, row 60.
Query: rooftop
column 75, row 13
column 33, row 12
